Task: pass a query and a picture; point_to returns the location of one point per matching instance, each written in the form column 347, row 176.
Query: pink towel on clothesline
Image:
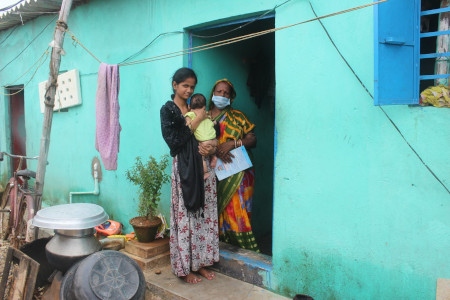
column 107, row 115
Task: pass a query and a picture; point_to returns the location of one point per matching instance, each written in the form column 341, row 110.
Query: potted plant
column 149, row 176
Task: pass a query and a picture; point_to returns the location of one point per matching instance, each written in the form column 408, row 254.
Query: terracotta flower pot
column 145, row 229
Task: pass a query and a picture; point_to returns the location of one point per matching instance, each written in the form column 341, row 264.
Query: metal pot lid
column 70, row 216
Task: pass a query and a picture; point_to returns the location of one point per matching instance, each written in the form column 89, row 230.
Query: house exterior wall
column 357, row 210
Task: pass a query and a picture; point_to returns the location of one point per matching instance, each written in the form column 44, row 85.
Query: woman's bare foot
column 191, row 278
column 207, row 274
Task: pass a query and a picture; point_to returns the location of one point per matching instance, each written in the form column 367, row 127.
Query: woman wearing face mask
column 235, row 193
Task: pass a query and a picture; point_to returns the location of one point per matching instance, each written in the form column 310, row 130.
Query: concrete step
column 240, row 274
column 248, row 266
column 162, row 284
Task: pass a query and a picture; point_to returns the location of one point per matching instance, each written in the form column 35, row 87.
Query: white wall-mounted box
column 68, row 92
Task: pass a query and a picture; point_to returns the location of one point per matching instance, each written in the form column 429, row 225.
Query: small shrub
column 149, row 177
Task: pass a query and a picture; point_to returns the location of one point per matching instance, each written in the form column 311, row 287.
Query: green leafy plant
column 149, row 176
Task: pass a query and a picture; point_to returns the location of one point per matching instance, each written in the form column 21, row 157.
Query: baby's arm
column 212, row 143
column 188, row 120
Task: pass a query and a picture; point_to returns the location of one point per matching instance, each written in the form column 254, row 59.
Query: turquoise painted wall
column 356, row 212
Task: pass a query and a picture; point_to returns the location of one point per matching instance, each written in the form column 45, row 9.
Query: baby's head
column 197, row 101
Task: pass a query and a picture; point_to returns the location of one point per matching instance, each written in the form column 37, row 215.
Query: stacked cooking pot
column 75, row 251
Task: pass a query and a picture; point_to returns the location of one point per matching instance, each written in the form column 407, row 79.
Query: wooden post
column 55, row 61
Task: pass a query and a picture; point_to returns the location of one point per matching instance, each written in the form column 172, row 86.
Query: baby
column 205, row 132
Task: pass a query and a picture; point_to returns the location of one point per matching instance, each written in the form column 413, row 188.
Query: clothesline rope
column 193, row 49
column 226, row 41
column 77, row 41
column 244, row 37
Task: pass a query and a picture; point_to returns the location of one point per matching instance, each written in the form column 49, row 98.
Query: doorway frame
column 193, row 34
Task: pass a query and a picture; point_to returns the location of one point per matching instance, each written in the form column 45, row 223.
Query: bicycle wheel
column 5, row 216
column 20, row 232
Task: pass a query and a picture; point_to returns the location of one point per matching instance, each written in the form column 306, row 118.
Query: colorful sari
column 235, row 193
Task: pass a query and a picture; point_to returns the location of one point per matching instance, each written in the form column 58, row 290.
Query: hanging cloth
column 107, row 115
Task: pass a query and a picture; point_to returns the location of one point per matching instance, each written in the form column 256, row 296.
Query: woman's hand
column 207, row 148
column 249, row 140
column 223, row 151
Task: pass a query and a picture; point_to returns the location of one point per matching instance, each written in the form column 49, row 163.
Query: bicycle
column 18, row 205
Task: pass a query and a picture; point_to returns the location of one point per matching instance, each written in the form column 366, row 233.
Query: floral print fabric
column 194, row 237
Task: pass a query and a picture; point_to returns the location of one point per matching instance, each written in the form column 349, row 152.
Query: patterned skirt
column 235, row 220
column 194, row 237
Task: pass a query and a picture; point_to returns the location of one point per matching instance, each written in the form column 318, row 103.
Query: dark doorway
column 250, row 65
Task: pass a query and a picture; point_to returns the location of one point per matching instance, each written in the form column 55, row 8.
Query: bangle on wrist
column 240, row 143
column 235, row 144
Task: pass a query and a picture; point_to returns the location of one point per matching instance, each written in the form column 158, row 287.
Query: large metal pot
column 70, row 246
column 74, row 238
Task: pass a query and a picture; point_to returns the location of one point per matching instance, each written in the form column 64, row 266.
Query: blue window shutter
column 397, row 52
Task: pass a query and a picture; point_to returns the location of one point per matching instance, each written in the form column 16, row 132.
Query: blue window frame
column 405, row 51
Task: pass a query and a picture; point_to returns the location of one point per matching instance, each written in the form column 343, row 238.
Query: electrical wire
column 384, row 112
column 35, row 12
column 148, row 45
column 199, row 48
column 241, row 38
column 340, row 53
column 39, row 63
column 206, row 46
column 20, row 53
column 11, row 6
column 204, row 36
column 124, row 62
column 9, row 34
column 219, row 44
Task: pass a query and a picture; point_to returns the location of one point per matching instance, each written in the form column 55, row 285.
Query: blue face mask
column 220, row 102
